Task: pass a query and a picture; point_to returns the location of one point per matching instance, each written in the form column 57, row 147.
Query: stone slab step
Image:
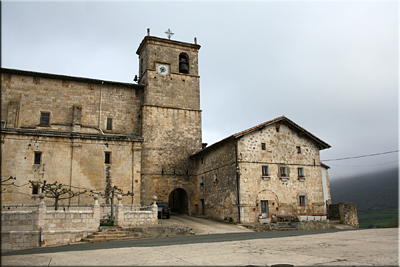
column 112, row 233
column 92, row 240
column 105, row 236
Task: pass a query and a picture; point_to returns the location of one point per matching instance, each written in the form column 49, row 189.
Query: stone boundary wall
column 346, row 212
column 22, row 229
column 333, row 212
column 128, row 218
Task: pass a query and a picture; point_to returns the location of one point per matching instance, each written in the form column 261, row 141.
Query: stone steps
column 285, row 226
column 108, row 234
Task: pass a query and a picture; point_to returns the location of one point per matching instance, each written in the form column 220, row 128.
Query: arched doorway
column 178, row 201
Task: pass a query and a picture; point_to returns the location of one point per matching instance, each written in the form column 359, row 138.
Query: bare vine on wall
column 57, row 191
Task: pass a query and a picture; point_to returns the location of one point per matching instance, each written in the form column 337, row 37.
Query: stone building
column 272, row 168
column 146, row 138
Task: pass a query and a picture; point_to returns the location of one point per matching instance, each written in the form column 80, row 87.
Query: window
column 107, row 158
column 298, row 149
column 302, row 200
column 283, row 172
column 215, row 178
column 277, row 129
column 35, row 188
column 109, row 123
column 265, row 171
column 183, row 63
column 263, row 146
column 38, row 158
column 45, row 118
column 300, row 172
column 201, row 181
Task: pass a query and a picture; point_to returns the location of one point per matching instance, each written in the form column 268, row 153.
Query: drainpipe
column 237, row 179
column 101, row 100
column 19, row 108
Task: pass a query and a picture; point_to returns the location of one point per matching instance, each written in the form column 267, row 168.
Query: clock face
column 163, row 69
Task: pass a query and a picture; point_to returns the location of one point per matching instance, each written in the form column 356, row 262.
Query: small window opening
column 283, row 171
column 263, row 146
column 201, row 181
column 215, row 178
column 300, row 172
column 109, row 123
column 183, row 63
column 35, row 188
column 302, row 200
column 38, row 158
column 277, row 129
column 107, row 157
column 45, row 118
column 265, row 171
column 298, row 149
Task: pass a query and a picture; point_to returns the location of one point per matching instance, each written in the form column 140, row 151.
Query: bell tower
column 170, row 117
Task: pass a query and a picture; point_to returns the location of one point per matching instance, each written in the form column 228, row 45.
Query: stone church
column 146, row 138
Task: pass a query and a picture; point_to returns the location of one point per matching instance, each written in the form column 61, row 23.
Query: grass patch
column 378, row 219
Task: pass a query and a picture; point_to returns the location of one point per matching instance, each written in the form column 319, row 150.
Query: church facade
column 146, row 138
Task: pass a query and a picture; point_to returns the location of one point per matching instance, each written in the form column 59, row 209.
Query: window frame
column 298, row 149
column 37, row 158
column 263, row 146
column 42, row 113
column 35, row 188
column 300, row 172
column 107, row 157
column 285, row 174
column 109, row 124
column 263, row 172
column 304, row 197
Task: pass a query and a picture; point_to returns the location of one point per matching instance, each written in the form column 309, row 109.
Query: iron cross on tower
column 169, row 33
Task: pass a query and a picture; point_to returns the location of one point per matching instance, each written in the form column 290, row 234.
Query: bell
column 183, row 68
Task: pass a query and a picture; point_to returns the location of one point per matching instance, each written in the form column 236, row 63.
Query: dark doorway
column 178, row 201
column 201, row 206
column 264, row 207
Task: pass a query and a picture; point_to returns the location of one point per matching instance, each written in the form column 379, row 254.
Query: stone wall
column 218, row 193
column 171, row 120
column 348, row 213
column 73, row 160
column 22, row 229
column 26, row 94
column 129, row 218
column 282, row 193
column 333, row 212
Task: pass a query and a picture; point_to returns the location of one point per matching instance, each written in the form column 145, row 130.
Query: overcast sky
column 331, row 67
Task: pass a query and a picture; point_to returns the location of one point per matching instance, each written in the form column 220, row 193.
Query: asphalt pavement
column 224, row 244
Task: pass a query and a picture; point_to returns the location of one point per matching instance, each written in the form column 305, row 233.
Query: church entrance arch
column 178, row 201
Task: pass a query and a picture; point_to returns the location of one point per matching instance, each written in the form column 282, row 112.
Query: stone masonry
column 146, row 138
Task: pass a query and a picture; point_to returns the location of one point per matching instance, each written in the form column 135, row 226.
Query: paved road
column 320, row 247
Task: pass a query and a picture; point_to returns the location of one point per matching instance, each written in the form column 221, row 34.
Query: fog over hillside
column 378, row 191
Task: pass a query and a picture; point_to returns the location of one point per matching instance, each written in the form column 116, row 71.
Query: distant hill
column 371, row 192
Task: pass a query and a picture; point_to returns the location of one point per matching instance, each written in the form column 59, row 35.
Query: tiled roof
column 321, row 144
